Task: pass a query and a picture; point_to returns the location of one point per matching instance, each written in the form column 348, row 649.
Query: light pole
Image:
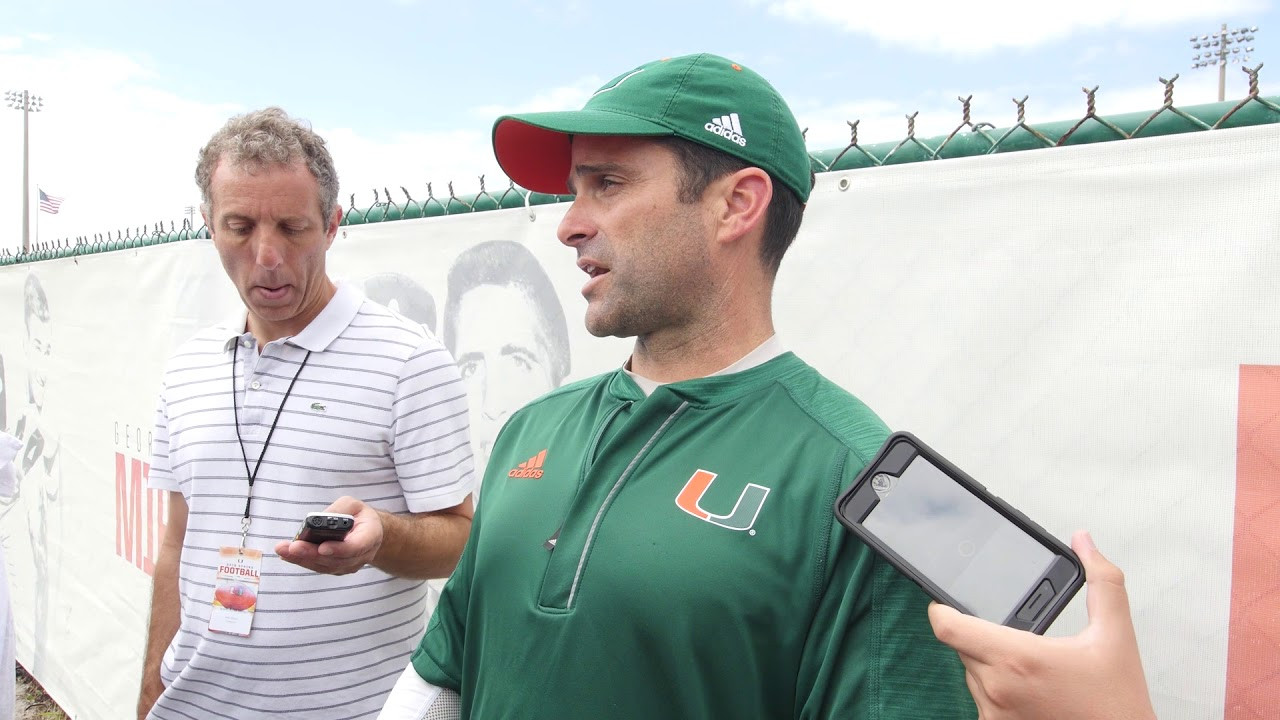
column 27, row 103
column 1216, row 50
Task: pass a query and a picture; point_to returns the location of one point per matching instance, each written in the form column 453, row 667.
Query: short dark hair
column 505, row 263
column 700, row 165
column 34, row 302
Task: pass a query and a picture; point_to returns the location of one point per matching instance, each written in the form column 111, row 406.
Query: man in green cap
column 658, row 541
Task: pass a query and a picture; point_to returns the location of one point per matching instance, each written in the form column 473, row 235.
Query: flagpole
column 38, row 210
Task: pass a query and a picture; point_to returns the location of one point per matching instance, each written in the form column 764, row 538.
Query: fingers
column 1105, row 597
column 346, row 505
column 338, row 550
column 940, row 617
column 314, row 557
column 297, row 551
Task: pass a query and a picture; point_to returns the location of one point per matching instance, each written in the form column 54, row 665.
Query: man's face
column 505, row 363
column 647, row 254
column 39, row 346
column 272, row 239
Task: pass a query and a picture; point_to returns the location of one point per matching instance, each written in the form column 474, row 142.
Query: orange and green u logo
column 744, row 512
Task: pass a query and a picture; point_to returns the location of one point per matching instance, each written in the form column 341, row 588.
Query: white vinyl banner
column 1090, row 331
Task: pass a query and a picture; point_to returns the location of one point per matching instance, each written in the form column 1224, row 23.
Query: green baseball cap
column 702, row 98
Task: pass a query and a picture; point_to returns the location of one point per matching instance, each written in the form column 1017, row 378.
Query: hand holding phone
column 1096, row 673
column 962, row 545
column 318, row 527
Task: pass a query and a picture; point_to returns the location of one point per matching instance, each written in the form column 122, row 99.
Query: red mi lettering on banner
column 141, row 514
column 1252, row 661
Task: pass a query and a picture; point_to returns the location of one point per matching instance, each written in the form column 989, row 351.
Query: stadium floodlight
column 1220, row 52
column 26, row 102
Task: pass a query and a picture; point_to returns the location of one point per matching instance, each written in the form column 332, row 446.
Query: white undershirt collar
column 764, row 352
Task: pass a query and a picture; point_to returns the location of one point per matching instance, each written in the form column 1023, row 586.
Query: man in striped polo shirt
column 315, row 399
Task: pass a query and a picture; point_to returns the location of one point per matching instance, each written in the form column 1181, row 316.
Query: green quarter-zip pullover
column 676, row 556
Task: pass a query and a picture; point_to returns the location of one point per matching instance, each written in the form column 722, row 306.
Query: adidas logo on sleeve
column 531, row 468
column 727, row 127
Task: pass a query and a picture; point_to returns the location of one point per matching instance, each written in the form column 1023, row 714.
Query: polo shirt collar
column 319, row 333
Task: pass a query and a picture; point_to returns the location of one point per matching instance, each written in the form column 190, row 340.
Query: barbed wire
column 968, row 139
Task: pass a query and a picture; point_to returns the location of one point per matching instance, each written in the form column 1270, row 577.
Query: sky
column 406, row 91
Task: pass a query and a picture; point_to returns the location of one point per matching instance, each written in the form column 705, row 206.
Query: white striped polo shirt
column 379, row 413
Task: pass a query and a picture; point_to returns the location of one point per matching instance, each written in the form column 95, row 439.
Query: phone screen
column 971, row 551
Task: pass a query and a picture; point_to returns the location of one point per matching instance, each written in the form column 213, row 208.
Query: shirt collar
column 764, row 352
column 319, row 333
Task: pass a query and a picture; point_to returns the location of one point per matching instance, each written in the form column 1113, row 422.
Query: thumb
column 1105, row 597
column 346, row 505
column 984, row 641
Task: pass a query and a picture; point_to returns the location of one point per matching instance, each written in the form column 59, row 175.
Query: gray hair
column 268, row 137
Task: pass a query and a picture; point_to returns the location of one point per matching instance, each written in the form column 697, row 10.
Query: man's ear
column 746, row 195
column 335, row 220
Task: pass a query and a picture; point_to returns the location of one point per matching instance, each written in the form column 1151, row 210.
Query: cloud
column 565, row 97
column 412, row 160
column 9, row 43
column 968, row 28
column 460, row 156
column 122, row 151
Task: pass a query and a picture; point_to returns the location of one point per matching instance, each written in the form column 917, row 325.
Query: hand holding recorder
column 340, row 540
column 319, row 527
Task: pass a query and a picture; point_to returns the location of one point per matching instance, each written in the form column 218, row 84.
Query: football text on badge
column 235, row 594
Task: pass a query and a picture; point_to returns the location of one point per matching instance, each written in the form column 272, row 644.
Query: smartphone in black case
column 318, row 527
column 961, row 544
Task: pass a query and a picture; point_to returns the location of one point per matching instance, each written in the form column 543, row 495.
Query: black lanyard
column 235, row 354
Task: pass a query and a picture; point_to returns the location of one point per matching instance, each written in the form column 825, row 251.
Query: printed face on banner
column 645, row 252
column 504, row 365
column 272, row 239
column 505, row 327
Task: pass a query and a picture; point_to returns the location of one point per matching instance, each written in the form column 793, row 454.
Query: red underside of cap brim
column 535, row 158
column 534, row 149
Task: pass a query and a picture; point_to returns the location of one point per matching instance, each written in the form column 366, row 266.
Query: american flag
column 49, row 203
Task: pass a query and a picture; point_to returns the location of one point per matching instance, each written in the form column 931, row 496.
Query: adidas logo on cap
column 727, row 127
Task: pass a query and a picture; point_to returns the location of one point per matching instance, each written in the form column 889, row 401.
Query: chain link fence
column 968, row 139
